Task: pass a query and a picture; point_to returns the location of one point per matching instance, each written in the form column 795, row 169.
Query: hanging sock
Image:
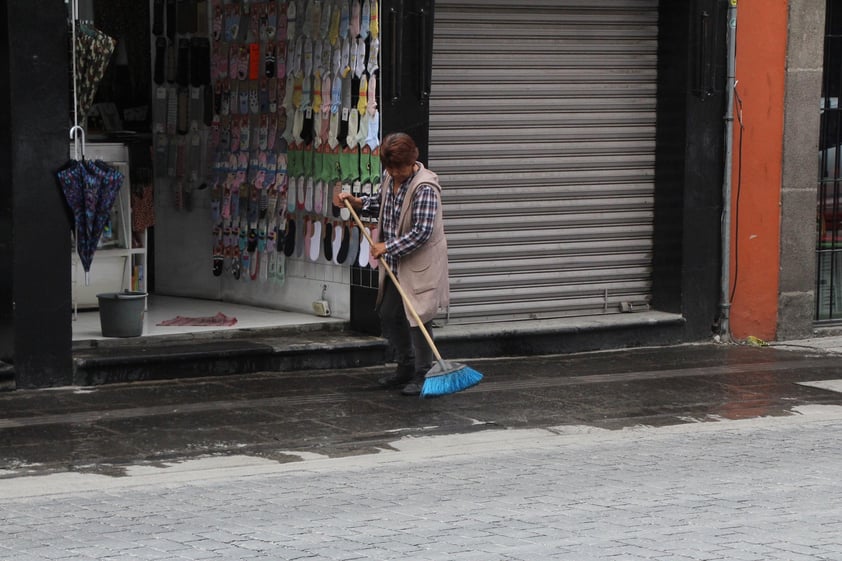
column 291, row 20
column 318, row 47
column 316, row 28
column 319, row 197
column 346, row 98
column 336, row 242
column 354, row 26
column 327, row 94
column 327, row 15
column 289, row 237
column 353, row 128
column 373, row 64
column 345, row 58
column 333, row 31
column 374, row 23
column 365, row 249
column 335, row 94
column 306, row 89
column 171, row 69
column 302, row 229
column 344, row 19
column 315, row 240
column 365, row 18
column 317, row 94
column 160, row 60
column 363, row 129
column 345, row 245
column 298, row 57
column 307, row 54
column 327, row 241
column 354, row 245
column 371, row 105
column 354, row 54
column 333, row 130
column 363, row 99
column 308, row 195
column 359, row 67
column 324, row 126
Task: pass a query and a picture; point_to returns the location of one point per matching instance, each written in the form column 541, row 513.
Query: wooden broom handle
column 404, row 297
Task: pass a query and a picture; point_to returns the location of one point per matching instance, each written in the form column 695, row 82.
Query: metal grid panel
column 542, row 130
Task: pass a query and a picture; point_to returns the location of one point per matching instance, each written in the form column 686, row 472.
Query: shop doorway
column 829, row 219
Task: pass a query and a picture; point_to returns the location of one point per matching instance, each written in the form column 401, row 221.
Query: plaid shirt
column 424, row 210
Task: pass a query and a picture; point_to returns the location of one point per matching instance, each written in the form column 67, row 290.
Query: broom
column 444, row 377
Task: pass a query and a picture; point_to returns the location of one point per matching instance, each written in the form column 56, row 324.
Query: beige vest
column 423, row 273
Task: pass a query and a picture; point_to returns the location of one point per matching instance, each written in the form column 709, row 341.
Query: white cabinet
column 116, row 265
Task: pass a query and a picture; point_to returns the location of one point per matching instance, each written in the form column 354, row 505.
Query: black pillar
column 35, row 303
column 689, row 162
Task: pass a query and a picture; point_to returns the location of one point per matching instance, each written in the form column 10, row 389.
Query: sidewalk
column 278, row 415
column 752, row 490
column 692, row 452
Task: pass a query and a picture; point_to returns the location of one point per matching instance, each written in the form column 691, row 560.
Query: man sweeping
column 413, row 245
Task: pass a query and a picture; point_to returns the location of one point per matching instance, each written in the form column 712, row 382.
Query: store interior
column 232, row 124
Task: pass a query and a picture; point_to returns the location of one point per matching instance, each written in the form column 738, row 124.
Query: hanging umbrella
column 90, row 189
column 93, row 50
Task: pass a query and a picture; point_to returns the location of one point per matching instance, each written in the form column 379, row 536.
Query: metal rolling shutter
column 542, row 130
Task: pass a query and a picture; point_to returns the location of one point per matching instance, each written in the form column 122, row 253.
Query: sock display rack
column 286, row 114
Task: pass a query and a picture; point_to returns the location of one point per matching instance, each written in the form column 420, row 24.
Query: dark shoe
column 414, row 387
column 395, row 380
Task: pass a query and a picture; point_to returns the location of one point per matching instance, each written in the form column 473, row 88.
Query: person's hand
column 339, row 198
column 378, row 249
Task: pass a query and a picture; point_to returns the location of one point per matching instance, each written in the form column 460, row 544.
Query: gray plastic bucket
column 121, row 313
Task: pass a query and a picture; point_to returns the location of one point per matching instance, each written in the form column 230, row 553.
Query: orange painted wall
column 760, row 73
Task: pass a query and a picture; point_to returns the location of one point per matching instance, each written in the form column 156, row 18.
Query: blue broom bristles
column 447, row 383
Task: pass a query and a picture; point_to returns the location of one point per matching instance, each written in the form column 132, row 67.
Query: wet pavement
column 281, row 416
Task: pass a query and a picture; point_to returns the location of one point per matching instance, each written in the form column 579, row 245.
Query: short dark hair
column 398, row 150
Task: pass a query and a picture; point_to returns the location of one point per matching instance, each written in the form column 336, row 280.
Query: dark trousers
column 412, row 353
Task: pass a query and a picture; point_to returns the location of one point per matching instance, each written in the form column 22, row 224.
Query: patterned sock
column 374, row 23
column 347, row 84
column 354, row 25
column 333, row 130
column 363, row 99
column 327, row 93
column 317, row 94
column 353, row 128
column 336, row 94
column 371, row 105
column 345, row 58
column 307, row 55
column 363, row 129
column 291, row 20
column 365, row 18
column 359, row 67
column 333, row 30
column 373, row 64
column 319, row 197
column 344, row 19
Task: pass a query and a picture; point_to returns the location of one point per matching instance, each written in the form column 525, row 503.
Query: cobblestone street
column 762, row 489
